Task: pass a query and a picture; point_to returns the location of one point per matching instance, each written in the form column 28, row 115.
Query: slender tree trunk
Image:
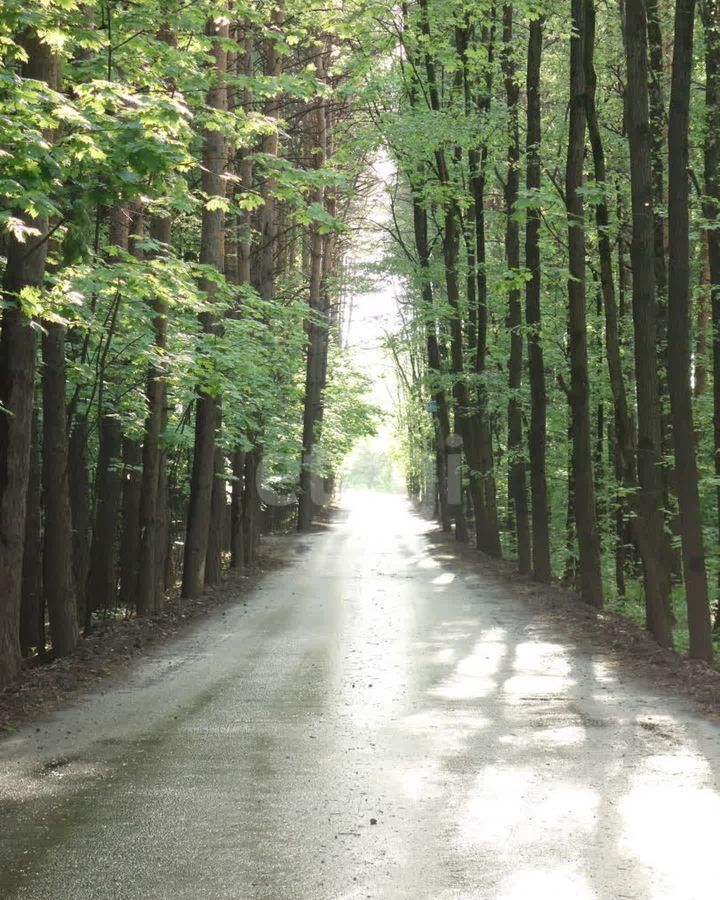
column 517, row 483
column 32, row 613
column 251, row 507
column 102, row 577
column 130, row 533
column 441, row 419
column 441, row 416
column 164, row 575
column 658, row 131
column 212, row 251
column 585, row 514
column 649, row 529
column 711, row 23
column 237, row 543
column 213, row 563
column 268, row 219
column 485, row 497
column 533, row 318
column 80, row 509
column 679, row 327
column 658, row 136
column 624, row 432
column 570, row 567
column 152, row 453
column 317, row 328
column 102, row 581
column 58, row 586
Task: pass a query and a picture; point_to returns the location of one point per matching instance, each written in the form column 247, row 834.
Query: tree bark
column 80, row 509
column 213, row 563
column 102, row 576
column 102, row 580
column 711, row 24
column 58, row 586
column 693, row 550
column 251, row 507
column 130, row 532
column 649, row 528
column 25, row 267
column 533, row 317
column 317, row 327
column 237, row 543
column 152, row 452
column 440, row 415
column 32, row 613
column 585, row 514
column 517, row 480
column 212, row 252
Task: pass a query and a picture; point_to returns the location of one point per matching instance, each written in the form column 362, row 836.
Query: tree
column 679, row 327
column 579, row 389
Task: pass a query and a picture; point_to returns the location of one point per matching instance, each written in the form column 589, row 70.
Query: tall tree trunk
column 213, row 563
column 624, row 432
column 711, row 23
column 649, row 528
column 80, row 508
column 658, row 131
column 25, row 267
column 164, row 574
column 317, row 327
column 130, row 533
column 475, row 430
column 32, row 613
column 268, row 220
column 102, row 581
column 533, row 318
column 485, row 497
column 237, row 543
column 102, row 578
column 585, row 513
column 58, row 586
column 517, row 483
column 251, row 507
column 440, row 414
column 152, row 452
column 679, row 327
column 441, row 419
column 212, row 251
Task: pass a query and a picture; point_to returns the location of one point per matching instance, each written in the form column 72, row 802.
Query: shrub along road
column 381, row 720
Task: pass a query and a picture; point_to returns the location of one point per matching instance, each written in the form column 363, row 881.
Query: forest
column 182, row 186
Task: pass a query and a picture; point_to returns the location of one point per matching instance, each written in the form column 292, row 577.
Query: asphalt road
column 380, row 720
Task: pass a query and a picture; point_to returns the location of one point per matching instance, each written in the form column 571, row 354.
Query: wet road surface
column 379, row 720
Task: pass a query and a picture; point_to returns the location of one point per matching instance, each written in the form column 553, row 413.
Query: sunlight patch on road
column 672, row 826
column 560, row 883
column 426, row 562
column 465, row 688
column 541, row 657
column 445, row 578
column 543, row 687
column 513, row 807
column 473, row 674
column 561, row 736
column 423, row 782
column 542, row 671
column 602, row 672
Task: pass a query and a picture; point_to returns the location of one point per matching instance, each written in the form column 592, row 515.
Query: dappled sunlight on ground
column 389, row 721
column 559, row 883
